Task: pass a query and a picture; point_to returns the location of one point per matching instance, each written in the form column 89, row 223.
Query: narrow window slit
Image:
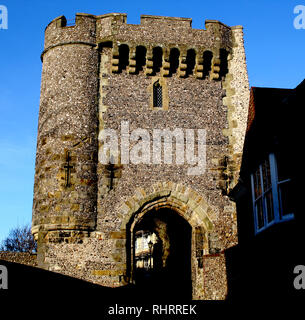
column 157, row 92
column 190, row 61
column 157, row 59
column 174, row 60
column 123, row 57
column 68, row 168
column 223, row 63
column 207, row 63
column 140, row 58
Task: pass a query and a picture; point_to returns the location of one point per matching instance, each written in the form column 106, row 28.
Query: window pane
column 269, row 206
column 266, row 175
column 285, row 198
column 259, row 213
column 282, row 167
column 257, row 184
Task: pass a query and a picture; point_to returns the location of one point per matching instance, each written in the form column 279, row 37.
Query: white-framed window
column 271, row 194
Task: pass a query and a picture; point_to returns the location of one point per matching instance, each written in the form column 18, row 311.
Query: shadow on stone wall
column 27, row 280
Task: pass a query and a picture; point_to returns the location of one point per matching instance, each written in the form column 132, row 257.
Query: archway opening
column 162, row 255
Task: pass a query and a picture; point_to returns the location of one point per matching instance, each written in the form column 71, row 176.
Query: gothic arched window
column 157, row 92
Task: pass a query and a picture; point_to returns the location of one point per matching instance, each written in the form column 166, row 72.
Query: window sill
column 286, row 218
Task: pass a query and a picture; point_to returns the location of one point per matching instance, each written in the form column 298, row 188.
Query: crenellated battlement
column 164, row 32
column 164, row 45
column 185, row 50
column 58, row 33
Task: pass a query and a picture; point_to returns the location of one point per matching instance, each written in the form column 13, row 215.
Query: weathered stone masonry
column 102, row 71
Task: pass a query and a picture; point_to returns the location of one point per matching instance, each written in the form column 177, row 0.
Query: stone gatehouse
column 160, row 74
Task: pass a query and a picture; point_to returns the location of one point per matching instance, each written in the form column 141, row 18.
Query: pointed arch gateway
column 173, row 202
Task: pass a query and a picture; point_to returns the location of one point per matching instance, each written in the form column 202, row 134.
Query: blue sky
column 274, row 51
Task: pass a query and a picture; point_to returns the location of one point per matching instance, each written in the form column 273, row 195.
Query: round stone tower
column 64, row 208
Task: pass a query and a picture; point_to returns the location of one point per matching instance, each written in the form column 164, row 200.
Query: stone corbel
column 165, row 64
column 199, row 65
column 115, row 59
column 182, row 64
column 149, row 62
column 132, row 68
column 215, row 67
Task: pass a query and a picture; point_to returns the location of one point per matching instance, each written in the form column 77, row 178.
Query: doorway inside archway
column 162, row 255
